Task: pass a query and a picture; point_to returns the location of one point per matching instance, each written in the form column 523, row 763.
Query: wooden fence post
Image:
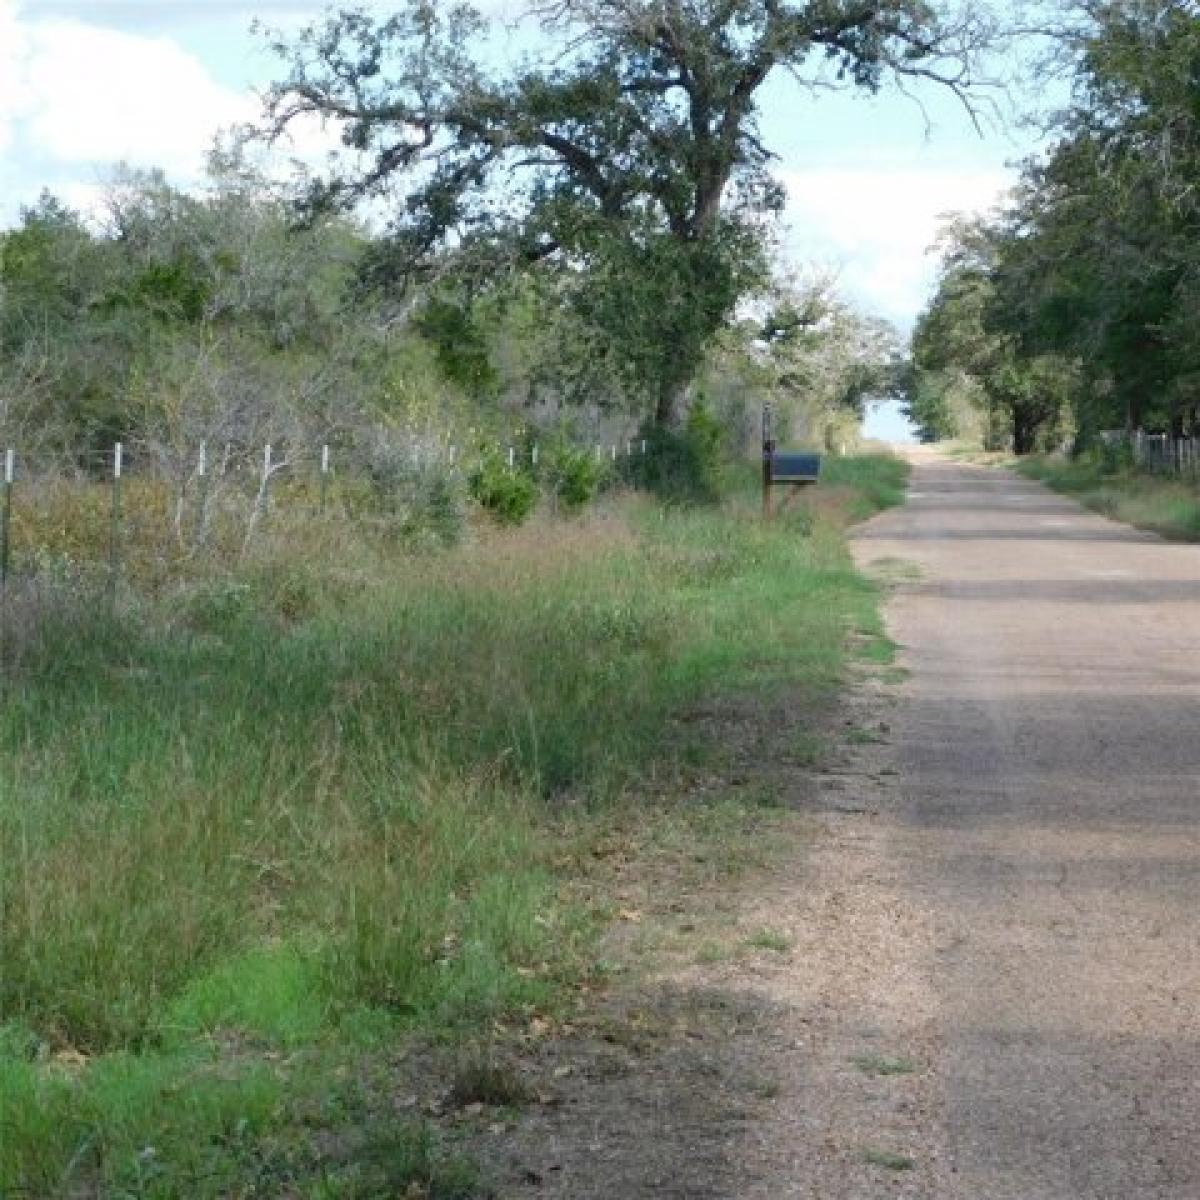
column 768, row 453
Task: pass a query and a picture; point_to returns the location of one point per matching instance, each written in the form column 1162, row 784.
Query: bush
column 509, row 494
column 1112, row 457
column 684, row 465
column 420, row 493
column 574, row 474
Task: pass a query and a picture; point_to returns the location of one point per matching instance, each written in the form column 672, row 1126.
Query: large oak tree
column 625, row 149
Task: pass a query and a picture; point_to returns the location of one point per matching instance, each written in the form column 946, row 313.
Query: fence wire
column 1160, row 453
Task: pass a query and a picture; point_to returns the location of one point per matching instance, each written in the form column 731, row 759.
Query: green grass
column 889, row 1160
column 878, row 1064
column 875, row 482
column 250, row 830
column 771, row 940
column 1165, row 506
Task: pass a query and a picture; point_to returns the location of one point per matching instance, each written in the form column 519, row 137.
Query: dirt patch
column 768, row 1030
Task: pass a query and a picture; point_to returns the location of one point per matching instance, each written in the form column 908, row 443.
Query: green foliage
column 687, row 465
column 1082, row 295
column 1109, row 457
column 661, row 301
column 573, row 473
column 462, row 350
column 963, row 344
column 945, row 405
column 175, row 290
column 508, row 493
column 644, row 186
column 47, row 267
column 196, row 316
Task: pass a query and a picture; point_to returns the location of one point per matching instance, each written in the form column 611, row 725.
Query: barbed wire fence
column 173, row 502
column 1160, row 453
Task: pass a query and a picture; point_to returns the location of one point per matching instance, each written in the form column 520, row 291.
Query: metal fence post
column 202, row 499
column 5, row 551
column 114, row 541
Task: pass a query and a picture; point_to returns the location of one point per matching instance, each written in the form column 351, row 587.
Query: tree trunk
column 669, row 409
column 1133, row 411
column 1024, row 433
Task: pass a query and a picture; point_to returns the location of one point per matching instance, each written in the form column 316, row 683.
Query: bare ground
column 771, row 1035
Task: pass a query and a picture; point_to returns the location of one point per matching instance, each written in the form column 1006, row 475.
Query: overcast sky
column 87, row 83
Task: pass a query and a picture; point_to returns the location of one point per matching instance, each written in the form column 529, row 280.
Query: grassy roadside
column 255, row 834
column 1165, row 506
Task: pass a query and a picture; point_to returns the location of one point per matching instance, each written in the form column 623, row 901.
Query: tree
column 970, row 337
column 1096, row 263
column 625, row 153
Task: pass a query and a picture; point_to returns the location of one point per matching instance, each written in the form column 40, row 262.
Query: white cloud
column 876, row 225
column 12, row 49
column 77, row 97
column 97, row 95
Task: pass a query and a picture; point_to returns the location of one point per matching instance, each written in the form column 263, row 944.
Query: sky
column 85, row 84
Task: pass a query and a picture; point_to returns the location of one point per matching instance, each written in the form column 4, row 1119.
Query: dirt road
column 972, row 969
column 1047, row 829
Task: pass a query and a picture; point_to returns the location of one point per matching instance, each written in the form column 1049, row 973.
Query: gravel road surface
column 1048, row 750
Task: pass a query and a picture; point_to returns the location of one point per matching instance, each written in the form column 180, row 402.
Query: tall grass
column 322, row 794
column 1170, row 507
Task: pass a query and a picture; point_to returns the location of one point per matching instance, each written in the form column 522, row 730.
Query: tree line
column 173, row 318
column 588, row 235
column 1076, row 308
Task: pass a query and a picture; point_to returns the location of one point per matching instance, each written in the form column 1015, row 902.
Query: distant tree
column 1090, row 281
column 627, row 153
column 969, row 335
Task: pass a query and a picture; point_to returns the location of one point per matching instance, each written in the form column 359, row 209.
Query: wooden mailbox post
column 784, row 468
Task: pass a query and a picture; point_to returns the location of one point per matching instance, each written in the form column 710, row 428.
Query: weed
column 765, row 1088
column 873, row 482
column 888, row 1160
column 1110, row 486
column 480, row 1079
column 875, row 1064
column 407, row 1160
column 864, row 737
column 772, row 940
column 807, row 749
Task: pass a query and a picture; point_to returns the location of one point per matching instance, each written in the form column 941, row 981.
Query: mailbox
column 793, row 468
column 790, row 467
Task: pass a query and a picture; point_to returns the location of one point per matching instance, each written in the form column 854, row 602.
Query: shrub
column 509, row 494
column 420, row 493
column 574, row 474
column 685, row 465
column 1112, row 457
